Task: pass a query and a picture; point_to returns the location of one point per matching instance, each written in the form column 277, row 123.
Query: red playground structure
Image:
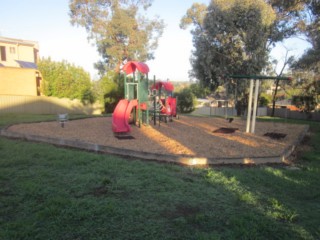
column 136, row 97
column 136, row 103
column 168, row 106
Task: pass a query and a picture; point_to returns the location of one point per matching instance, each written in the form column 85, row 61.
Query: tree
column 118, row 30
column 198, row 91
column 235, row 37
column 307, row 68
column 241, row 33
column 229, row 38
column 62, row 79
column 186, row 100
column 110, row 89
column 287, row 61
column 289, row 17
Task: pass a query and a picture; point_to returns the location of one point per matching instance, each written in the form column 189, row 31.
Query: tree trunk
column 274, row 98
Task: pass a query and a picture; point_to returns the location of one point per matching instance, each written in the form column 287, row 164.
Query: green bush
column 110, row 89
column 305, row 103
column 198, row 91
column 65, row 80
column 265, row 99
column 186, row 101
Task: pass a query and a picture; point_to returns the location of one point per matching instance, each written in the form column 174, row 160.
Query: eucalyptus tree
column 233, row 37
column 311, row 28
column 119, row 30
column 230, row 37
column 289, row 18
column 307, row 68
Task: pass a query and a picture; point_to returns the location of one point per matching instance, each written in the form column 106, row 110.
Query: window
column 3, row 53
column 12, row 50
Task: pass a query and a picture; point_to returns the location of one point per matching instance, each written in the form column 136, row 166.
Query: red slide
column 121, row 115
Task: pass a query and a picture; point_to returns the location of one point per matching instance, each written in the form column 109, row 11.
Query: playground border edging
column 170, row 158
column 290, row 149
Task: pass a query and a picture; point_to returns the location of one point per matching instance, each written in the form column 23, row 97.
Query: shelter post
column 249, row 106
column 255, row 105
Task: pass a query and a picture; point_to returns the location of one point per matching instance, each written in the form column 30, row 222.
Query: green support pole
column 154, row 103
column 159, row 108
column 260, row 77
column 125, row 86
column 139, row 98
column 147, row 110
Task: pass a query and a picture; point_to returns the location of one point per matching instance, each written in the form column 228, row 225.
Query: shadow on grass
column 52, row 193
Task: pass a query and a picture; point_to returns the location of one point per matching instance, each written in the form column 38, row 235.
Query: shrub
column 110, row 89
column 186, row 101
column 305, row 103
column 265, row 99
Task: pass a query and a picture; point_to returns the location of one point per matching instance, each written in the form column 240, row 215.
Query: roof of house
column 19, row 42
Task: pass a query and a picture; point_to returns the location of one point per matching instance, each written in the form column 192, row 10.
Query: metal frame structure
column 255, row 84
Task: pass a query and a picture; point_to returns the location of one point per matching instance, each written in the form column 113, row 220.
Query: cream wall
column 25, row 53
column 18, row 81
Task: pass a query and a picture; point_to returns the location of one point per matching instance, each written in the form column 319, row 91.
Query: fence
column 287, row 113
column 45, row 105
column 224, row 111
column 52, row 105
column 262, row 111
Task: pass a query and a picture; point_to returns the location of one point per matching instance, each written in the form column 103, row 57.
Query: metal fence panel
column 287, row 113
column 224, row 111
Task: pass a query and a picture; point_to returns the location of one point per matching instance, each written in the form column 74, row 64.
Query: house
column 19, row 73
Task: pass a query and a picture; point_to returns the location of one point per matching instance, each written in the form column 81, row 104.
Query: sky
column 48, row 23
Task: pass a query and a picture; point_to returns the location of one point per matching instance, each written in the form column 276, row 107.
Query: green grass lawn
column 54, row 193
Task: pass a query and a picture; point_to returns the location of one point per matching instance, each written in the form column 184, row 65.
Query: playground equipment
column 255, row 80
column 167, row 104
column 136, row 98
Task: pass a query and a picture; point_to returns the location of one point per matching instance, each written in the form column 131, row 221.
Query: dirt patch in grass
column 191, row 136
